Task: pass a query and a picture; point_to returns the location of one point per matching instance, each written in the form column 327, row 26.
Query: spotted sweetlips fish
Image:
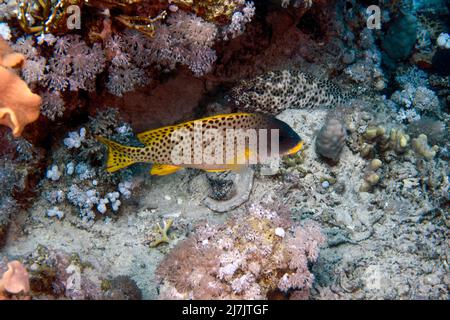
column 217, row 143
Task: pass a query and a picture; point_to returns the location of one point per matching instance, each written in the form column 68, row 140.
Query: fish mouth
column 295, row 149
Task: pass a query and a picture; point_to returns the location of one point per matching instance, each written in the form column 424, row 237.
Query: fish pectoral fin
column 163, row 169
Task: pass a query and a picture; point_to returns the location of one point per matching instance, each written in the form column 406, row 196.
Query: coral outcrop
column 331, row 138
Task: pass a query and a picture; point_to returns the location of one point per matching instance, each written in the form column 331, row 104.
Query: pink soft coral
column 249, row 257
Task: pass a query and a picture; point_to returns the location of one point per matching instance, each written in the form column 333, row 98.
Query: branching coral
column 247, row 258
column 185, row 39
column 18, row 105
column 74, row 64
column 14, row 282
column 44, row 15
column 125, row 72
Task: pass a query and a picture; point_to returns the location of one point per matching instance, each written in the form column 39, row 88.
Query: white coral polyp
column 443, row 41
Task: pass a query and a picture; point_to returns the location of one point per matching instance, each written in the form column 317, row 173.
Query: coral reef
column 184, row 39
column 76, row 180
column 74, row 64
column 249, row 257
column 369, row 101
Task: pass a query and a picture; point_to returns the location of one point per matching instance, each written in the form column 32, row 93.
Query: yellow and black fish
column 199, row 135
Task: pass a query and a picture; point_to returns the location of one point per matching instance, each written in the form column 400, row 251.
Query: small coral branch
column 163, row 230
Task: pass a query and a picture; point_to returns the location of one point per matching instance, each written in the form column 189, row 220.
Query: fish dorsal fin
column 163, row 169
column 155, row 135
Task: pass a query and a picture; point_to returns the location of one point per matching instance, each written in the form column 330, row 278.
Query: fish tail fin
column 119, row 156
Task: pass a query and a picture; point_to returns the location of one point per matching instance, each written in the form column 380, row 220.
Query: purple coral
column 74, row 64
column 185, row 39
column 33, row 69
column 125, row 73
column 52, row 105
column 238, row 21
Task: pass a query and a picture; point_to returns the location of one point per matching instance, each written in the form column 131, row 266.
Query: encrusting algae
column 213, row 139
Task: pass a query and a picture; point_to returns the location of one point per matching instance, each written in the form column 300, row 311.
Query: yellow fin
column 295, row 149
column 118, row 155
column 163, row 169
column 148, row 137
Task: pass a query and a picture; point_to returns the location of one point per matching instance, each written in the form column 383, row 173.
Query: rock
column 331, row 139
column 399, row 40
column 243, row 182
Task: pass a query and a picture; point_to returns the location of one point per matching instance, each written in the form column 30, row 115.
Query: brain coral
column 278, row 90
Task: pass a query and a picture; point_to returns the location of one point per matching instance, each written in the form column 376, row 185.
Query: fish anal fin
column 163, row 169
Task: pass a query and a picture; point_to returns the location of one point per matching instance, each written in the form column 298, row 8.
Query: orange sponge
column 18, row 105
